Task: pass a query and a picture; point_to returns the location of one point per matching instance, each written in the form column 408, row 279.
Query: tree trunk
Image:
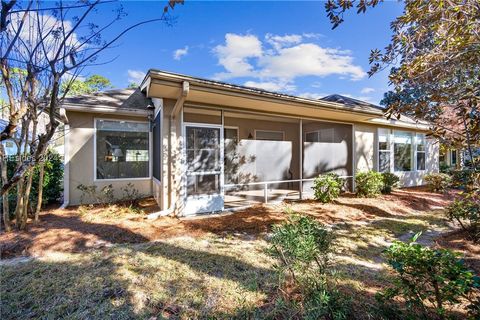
column 40, row 191
column 4, row 178
column 26, row 195
column 20, row 222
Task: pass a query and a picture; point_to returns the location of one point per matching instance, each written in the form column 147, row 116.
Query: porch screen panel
column 157, row 146
column 267, row 149
column 327, row 147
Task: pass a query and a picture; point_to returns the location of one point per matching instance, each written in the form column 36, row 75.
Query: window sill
column 122, row 179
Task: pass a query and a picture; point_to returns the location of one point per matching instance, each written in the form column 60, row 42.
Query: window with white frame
column 401, row 151
column 122, row 149
column 384, row 150
column 420, row 155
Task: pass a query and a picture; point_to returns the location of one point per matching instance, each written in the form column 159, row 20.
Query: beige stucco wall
column 81, row 157
column 365, row 147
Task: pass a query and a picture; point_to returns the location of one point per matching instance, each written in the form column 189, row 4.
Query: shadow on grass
column 65, row 233
column 152, row 280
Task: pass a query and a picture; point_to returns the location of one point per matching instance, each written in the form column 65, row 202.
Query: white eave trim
column 104, row 109
column 399, row 124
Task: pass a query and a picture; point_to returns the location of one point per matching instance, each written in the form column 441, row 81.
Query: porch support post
column 265, row 192
column 300, row 192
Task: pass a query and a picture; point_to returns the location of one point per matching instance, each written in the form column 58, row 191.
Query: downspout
column 66, row 159
column 173, row 145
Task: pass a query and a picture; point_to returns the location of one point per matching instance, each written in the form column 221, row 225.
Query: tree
column 42, row 47
column 133, row 85
column 434, row 61
column 92, row 84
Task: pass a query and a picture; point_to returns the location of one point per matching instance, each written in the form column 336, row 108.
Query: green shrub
column 429, row 279
column 90, row 193
column 131, row 195
column 466, row 211
column 52, row 181
column 369, row 184
column 466, row 179
column 390, row 181
column 438, row 182
column 303, row 248
column 327, row 187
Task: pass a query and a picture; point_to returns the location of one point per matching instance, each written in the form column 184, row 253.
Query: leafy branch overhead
column 434, row 62
column 44, row 48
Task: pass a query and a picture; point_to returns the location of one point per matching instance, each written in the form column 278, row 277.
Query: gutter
column 176, row 109
column 104, row 109
column 66, row 160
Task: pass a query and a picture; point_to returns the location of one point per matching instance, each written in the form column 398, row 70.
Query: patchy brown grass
column 79, row 228
column 112, row 262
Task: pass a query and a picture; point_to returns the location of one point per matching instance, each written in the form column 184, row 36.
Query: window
column 122, row 149
column 269, row 135
column 326, row 135
column 420, row 151
column 453, row 157
column 384, row 150
column 402, row 151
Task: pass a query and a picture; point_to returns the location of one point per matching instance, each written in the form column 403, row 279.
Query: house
column 201, row 146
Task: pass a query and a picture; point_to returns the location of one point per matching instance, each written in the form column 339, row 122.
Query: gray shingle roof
column 131, row 99
column 350, row 102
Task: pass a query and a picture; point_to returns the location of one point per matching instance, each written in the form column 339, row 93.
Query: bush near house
column 466, row 211
column 390, row 181
column 303, row 248
column 429, row 280
column 438, row 182
column 327, row 187
column 52, row 181
column 369, row 184
column 466, row 179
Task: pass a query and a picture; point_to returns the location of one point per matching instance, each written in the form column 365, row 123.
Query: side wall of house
column 366, row 155
column 81, row 157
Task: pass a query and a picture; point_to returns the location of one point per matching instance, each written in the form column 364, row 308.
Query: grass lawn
column 112, row 263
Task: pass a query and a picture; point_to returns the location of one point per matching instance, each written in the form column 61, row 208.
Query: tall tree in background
column 434, row 56
column 51, row 43
column 93, row 84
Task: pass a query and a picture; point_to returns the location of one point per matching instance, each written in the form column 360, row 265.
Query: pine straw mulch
column 79, row 228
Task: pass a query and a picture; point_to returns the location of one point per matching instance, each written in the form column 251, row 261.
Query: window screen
column 122, row 149
column 269, row 135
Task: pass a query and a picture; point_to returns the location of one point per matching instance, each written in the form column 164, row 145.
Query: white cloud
column 234, row 55
column 179, row 53
column 309, row 59
column 285, row 58
column 271, row 85
column 135, row 76
column 38, row 28
column 279, row 42
column 367, row 90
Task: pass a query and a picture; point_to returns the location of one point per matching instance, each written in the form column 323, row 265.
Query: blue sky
column 281, row 46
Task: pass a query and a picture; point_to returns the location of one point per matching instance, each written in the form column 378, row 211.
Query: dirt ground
column 184, row 263
column 78, row 228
